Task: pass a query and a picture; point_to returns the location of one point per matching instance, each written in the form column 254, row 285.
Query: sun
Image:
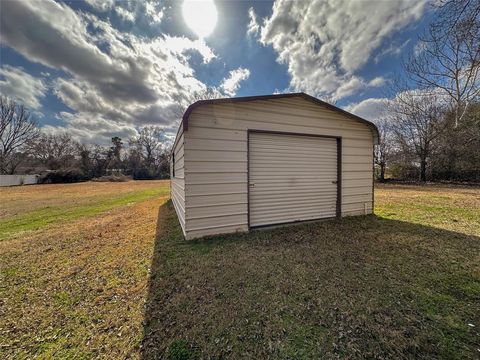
column 200, row 16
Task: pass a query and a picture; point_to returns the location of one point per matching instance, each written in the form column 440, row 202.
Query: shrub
column 112, row 178
column 70, row 175
column 143, row 174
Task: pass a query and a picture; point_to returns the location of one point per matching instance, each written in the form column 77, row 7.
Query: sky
column 104, row 68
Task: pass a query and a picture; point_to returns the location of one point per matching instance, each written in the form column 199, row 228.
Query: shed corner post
column 339, row 178
column 248, row 179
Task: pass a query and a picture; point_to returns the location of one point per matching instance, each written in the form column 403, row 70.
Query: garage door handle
column 335, row 182
column 252, row 184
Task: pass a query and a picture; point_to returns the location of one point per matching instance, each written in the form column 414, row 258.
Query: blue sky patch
column 104, row 68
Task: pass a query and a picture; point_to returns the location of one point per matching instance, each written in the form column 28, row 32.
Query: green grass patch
column 402, row 285
column 41, row 218
column 181, row 350
column 420, row 212
column 365, row 287
column 9, row 272
column 63, row 298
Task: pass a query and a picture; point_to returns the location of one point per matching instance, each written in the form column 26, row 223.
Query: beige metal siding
column 291, row 178
column 178, row 181
column 216, row 155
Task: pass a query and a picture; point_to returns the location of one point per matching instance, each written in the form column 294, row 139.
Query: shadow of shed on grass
column 359, row 287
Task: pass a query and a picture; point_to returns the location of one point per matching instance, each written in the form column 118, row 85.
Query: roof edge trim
column 307, row 97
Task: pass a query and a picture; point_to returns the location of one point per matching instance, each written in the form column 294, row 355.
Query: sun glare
column 200, row 16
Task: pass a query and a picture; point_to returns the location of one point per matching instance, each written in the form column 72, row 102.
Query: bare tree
column 417, row 119
column 55, row 150
column 448, row 56
column 95, row 159
column 385, row 146
column 150, row 141
column 207, row 93
column 134, row 159
column 115, row 155
column 17, row 131
column 330, row 99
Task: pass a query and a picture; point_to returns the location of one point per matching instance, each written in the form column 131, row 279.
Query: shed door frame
column 339, row 170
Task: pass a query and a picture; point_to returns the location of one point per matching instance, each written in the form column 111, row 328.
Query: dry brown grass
column 21, row 199
column 453, row 208
column 77, row 288
column 123, row 283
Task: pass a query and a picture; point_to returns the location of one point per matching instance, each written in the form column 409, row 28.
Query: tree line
column 25, row 148
column 431, row 130
column 432, row 127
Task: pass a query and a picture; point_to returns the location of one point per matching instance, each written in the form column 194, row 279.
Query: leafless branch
column 450, row 56
column 17, row 131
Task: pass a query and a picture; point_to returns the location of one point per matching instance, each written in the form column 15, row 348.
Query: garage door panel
column 287, row 166
column 291, row 178
column 306, row 209
column 301, row 196
column 304, row 196
column 310, row 205
column 279, row 177
column 292, row 153
column 283, row 170
column 296, row 189
column 296, row 160
column 299, row 149
column 272, row 139
column 286, row 217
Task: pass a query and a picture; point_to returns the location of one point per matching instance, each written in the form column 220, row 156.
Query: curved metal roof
column 307, row 97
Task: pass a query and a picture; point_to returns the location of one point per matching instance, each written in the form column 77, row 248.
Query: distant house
column 247, row 162
column 19, row 179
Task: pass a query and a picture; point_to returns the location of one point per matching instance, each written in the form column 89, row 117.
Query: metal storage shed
column 253, row 161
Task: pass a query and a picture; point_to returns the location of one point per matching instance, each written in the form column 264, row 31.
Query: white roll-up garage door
column 291, row 178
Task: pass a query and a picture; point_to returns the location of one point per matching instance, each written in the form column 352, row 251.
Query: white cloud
column 57, row 37
column 118, row 80
column 324, row 43
column 179, row 45
column 253, row 28
column 348, row 87
column 377, row 82
column 419, row 47
column 231, row 84
column 101, row 5
column 394, row 49
column 90, row 129
column 22, row 86
column 377, row 109
column 131, row 11
column 353, row 84
column 155, row 14
column 125, row 14
column 373, row 109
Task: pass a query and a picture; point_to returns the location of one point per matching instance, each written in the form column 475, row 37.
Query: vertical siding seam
column 339, row 177
column 373, row 179
column 248, row 178
column 185, row 175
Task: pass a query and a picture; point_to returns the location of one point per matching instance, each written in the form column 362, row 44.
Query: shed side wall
column 216, row 153
column 178, row 181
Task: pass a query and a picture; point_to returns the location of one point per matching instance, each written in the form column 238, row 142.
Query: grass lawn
column 101, row 270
